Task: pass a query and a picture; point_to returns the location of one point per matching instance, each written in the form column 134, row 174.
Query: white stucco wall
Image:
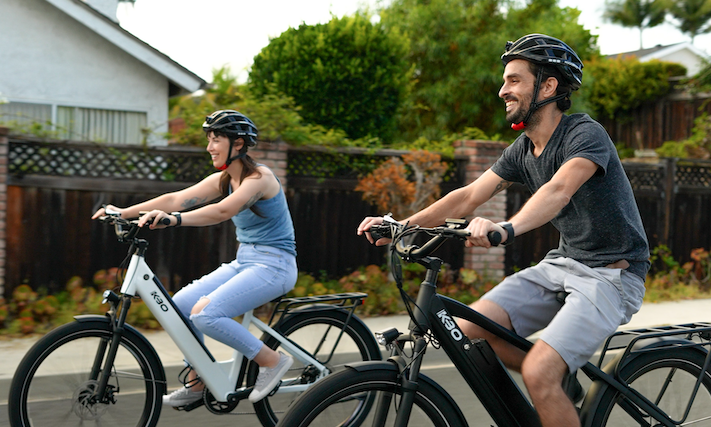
column 48, row 57
column 686, row 58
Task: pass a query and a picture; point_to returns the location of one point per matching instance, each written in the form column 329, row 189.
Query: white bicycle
column 99, row 370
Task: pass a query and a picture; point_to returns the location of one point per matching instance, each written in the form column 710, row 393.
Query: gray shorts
column 599, row 301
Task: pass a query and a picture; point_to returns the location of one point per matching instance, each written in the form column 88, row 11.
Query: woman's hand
column 157, row 217
column 108, row 209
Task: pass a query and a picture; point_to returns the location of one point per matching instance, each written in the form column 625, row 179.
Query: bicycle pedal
column 189, row 407
column 273, row 392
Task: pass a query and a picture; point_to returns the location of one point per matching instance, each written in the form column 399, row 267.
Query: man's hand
column 365, row 225
column 479, row 229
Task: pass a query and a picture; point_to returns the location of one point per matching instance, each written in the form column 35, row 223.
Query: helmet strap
column 242, row 153
column 536, row 105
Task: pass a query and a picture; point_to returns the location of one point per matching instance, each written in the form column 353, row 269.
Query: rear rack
column 696, row 334
column 347, row 301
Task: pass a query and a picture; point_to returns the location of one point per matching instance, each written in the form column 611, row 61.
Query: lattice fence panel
column 90, row 161
column 645, row 177
column 694, row 175
column 318, row 164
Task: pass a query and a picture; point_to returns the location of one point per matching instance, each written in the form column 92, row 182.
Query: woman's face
column 218, row 147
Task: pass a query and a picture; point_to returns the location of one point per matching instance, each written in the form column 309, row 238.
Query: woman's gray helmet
column 234, row 125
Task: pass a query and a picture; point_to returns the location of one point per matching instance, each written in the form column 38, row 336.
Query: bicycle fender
column 598, row 387
column 129, row 331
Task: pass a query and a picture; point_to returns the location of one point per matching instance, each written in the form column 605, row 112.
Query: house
column 72, row 69
column 685, row 54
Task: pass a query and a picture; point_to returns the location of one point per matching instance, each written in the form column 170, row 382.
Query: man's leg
column 543, row 370
column 509, row 355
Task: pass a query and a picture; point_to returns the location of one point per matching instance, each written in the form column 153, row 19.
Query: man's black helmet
column 547, row 51
column 234, row 124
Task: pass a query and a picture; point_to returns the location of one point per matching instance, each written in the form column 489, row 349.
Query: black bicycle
column 659, row 376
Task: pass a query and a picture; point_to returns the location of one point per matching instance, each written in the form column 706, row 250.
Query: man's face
column 517, row 90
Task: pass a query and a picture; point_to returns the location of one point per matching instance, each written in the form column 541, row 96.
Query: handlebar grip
column 166, row 221
column 494, row 238
column 380, row 232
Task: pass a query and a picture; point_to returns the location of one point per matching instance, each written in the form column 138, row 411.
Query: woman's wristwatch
column 178, row 218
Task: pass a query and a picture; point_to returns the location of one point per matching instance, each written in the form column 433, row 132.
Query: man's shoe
column 181, row 397
column 268, row 378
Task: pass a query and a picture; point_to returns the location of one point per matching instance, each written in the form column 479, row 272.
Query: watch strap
column 509, row 232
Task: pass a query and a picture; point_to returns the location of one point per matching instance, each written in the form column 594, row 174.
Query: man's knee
column 543, row 368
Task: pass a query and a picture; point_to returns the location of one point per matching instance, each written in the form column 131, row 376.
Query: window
column 75, row 123
column 22, row 116
column 90, row 124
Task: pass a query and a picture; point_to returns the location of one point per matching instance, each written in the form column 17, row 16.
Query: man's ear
column 549, row 87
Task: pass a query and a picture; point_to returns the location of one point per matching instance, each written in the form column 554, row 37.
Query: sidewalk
column 667, row 313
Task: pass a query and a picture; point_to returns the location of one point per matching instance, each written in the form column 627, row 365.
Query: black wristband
column 178, row 218
column 509, row 232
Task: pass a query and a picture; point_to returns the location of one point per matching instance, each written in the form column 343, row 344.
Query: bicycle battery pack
column 498, row 390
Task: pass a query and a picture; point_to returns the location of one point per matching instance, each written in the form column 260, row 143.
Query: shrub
column 347, row 74
column 618, row 86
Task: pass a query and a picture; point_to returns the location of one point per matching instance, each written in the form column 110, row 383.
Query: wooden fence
column 651, row 124
column 53, row 188
column 49, row 236
column 674, row 199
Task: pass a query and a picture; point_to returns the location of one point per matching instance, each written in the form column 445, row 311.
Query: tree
column 693, row 16
column 276, row 115
column 348, row 74
column 636, row 13
column 404, row 186
column 455, row 46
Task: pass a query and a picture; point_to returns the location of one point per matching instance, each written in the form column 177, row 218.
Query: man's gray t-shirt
column 601, row 223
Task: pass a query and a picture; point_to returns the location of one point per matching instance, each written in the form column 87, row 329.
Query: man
column 577, row 182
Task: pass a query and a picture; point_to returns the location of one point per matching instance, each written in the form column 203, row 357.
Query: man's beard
column 519, row 114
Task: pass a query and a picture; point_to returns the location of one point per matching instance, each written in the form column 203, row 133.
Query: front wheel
column 331, row 349
column 667, row 379
column 371, row 397
column 55, row 382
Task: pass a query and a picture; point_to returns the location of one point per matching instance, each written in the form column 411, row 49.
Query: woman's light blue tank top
column 275, row 228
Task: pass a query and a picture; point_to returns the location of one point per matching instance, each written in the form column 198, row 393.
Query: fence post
column 483, row 154
column 669, row 196
column 3, row 202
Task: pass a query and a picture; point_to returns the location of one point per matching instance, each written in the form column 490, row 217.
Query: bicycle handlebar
column 120, row 224
column 454, row 228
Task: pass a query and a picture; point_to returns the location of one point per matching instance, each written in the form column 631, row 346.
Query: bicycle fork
column 99, row 373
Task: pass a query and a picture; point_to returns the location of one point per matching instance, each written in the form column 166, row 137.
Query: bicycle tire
column 357, row 339
column 646, row 373
column 331, row 401
column 52, row 382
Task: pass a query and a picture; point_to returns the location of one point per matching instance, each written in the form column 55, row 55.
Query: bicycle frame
column 484, row 372
column 219, row 376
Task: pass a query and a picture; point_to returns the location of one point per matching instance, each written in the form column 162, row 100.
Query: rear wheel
column 55, row 382
column 372, row 396
column 666, row 378
column 356, row 344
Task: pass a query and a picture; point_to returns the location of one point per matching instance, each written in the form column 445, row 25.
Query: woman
column 265, row 267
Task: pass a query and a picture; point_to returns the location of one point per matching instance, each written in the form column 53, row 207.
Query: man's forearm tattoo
column 252, row 201
column 189, row 203
column 503, row 185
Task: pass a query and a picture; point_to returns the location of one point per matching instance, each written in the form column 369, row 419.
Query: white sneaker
column 268, row 378
column 181, row 397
